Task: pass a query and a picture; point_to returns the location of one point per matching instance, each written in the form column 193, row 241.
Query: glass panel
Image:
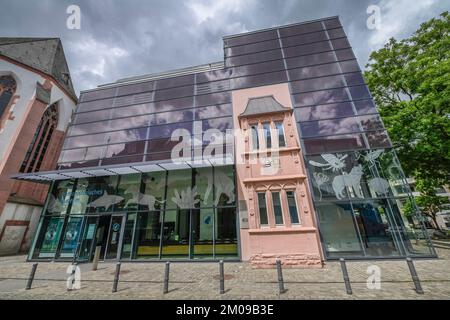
column 59, row 198
column 213, row 111
column 96, row 195
column 212, row 99
column 410, row 229
column 202, row 233
column 263, row 220
column 71, row 236
column 88, row 239
column 173, row 104
column 175, row 82
column 365, row 106
column 376, row 227
column 255, row 137
column 225, row 232
column 345, row 54
column 130, row 190
column 154, row 189
column 334, row 143
column 135, row 88
column 329, row 127
column 292, row 205
column 179, row 190
column 280, row 130
column 299, row 29
column 334, row 110
column 166, row 130
column 258, row 80
column 267, row 135
column 95, row 105
column 224, row 186
column 378, row 139
column 204, row 187
column 114, row 238
column 254, row 58
column 148, row 235
column 255, row 37
column 321, row 97
column 174, row 93
column 340, row 43
column 91, row 116
column 176, row 233
column 304, row 38
column 338, row 230
column 315, row 71
column 307, row 49
column 318, row 84
column 174, row 116
column 128, row 236
column 329, row 181
column 310, row 60
column 252, row 69
column 254, row 47
column 349, row 66
column 277, row 211
column 47, row 242
column 132, row 110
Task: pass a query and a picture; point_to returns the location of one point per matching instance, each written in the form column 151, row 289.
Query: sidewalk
column 201, row 281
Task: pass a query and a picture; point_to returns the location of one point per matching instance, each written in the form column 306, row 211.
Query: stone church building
column 36, row 104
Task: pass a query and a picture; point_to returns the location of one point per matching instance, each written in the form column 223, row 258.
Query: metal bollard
column 348, row 286
column 166, row 278
column 116, row 277
column 222, row 278
column 31, row 277
column 280, row 277
column 96, row 257
column 414, row 276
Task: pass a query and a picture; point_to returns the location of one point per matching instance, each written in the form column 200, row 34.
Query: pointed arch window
column 41, row 140
column 7, row 89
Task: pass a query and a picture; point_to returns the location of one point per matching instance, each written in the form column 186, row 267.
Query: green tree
column 428, row 202
column 410, row 82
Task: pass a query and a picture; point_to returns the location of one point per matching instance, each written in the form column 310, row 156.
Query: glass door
column 71, row 237
column 115, row 237
column 88, row 239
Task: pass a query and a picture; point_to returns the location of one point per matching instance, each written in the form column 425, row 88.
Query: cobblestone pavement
column 201, row 281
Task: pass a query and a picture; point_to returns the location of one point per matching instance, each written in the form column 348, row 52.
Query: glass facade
column 188, row 214
column 191, row 214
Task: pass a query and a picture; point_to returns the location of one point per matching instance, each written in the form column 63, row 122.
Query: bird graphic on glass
column 340, row 182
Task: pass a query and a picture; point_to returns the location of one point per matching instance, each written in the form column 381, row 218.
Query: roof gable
column 262, row 105
column 43, row 54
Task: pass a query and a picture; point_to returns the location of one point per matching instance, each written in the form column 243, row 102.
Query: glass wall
column 187, row 214
column 358, row 209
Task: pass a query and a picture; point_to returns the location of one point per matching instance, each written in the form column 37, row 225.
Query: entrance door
column 88, row 239
column 115, row 237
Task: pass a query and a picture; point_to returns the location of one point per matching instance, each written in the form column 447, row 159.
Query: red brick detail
column 19, row 150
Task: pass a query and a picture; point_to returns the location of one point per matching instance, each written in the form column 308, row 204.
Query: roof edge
column 277, row 27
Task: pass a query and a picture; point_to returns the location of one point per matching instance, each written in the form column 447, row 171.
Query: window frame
column 281, row 208
column 263, row 225
column 296, row 207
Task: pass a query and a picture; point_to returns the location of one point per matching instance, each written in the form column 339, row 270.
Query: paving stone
column 200, row 280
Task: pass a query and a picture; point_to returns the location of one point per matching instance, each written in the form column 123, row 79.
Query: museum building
column 277, row 151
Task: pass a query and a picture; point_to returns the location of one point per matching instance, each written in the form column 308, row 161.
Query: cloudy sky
column 123, row 38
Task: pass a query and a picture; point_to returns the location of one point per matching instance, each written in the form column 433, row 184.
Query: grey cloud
column 127, row 38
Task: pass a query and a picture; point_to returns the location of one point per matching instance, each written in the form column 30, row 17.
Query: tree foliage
column 410, row 82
